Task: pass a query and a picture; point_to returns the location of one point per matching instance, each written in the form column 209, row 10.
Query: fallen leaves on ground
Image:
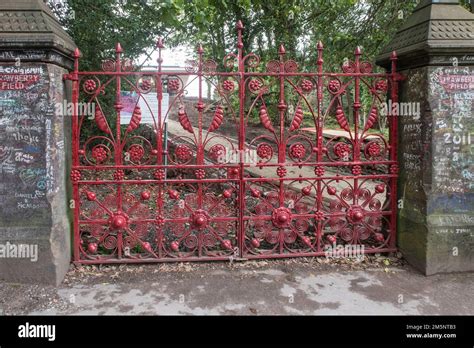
column 131, row 272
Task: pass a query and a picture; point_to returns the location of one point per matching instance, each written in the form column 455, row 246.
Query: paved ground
column 299, row 286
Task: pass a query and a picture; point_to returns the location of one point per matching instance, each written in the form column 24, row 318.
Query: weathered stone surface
column 33, row 201
column 450, row 203
column 33, row 161
column 437, row 30
column 29, row 31
column 436, row 185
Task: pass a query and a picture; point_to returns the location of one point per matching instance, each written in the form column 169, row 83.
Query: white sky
column 175, row 57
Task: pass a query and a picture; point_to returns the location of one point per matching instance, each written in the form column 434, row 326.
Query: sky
column 171, row 58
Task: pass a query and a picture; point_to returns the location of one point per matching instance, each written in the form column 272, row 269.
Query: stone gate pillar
column 34, row 226
column 435, row 47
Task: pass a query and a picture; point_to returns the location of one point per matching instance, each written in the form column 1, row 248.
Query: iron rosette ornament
column 199, row 226
column 357, row 215
column 281, row 225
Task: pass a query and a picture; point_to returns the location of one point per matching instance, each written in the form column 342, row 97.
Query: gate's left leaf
column 100, row 120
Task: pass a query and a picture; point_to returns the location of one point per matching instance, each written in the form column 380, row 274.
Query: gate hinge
column 399, row 77
column 71, row 77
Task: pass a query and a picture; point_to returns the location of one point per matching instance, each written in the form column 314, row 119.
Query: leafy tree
column 298, row 24
column 96, row 26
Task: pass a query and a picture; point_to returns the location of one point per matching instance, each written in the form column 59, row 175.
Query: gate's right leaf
column 135, row 120
column 217, row 120
column 297, row 119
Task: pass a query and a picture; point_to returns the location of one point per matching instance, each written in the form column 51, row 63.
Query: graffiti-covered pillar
column 34, row 226
column 435, row 50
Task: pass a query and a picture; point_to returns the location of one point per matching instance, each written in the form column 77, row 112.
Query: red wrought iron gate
column 293, row 189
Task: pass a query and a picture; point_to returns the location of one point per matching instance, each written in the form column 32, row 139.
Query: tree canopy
column 298, row 24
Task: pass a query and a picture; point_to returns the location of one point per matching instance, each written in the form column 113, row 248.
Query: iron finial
column 159, row 43
column 281, row 50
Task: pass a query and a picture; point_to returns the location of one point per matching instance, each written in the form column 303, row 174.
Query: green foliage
column 297, row 24
column 96, row 26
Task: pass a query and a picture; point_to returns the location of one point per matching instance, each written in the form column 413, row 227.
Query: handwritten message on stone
column 452, row 104
column 25, row 112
